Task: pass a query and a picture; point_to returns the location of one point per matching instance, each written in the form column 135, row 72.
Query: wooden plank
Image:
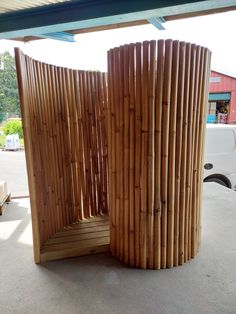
column 76, row 231
column 76, row 251
column 69, row 240
column 22, row 85
column 89, row 242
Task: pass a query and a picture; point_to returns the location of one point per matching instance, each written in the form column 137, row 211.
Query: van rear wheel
column 216, row 180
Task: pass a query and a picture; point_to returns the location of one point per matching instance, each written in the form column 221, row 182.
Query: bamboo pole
column 189, row 93
column 172, row 155
column 137, row 152
column 117, row 152
column 144, row 157
column 179, row 127
column 165, row 148
column 158, row 145
column 121, row 150
column 126, row 154
column 205, row 87
column 197, row 152
column 80, row 147
column 151, row 152
column 113, row 154
column 131, row 155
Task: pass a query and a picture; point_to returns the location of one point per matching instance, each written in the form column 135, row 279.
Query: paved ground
column 13, row 171
column 100, row 284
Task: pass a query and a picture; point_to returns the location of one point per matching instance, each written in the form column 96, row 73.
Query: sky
column 89, row 52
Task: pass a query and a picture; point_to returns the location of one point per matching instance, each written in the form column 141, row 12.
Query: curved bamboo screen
column 156, row 124
column 146, row 141
column 63, row 113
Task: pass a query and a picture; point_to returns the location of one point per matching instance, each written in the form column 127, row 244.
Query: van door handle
column 208, row 166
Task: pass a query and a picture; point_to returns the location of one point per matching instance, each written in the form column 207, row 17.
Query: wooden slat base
column 86, row 237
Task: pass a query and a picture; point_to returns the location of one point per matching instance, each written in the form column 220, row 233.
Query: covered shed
column 93, row 289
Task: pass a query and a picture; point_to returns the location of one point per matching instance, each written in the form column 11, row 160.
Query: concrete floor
column 13, row 171
column 100, row 284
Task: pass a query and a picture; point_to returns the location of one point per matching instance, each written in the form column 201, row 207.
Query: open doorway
column 218, row 111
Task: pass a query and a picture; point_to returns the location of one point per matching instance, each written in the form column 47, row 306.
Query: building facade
column 222, row 98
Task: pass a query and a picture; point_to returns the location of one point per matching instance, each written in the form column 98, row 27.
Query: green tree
column 9, row 99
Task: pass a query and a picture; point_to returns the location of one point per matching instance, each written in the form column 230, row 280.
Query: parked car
column 220, row 155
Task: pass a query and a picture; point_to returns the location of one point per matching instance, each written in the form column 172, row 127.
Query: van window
column 219, row 141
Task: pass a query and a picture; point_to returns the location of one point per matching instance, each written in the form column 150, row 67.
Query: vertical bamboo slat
column 151, row 156
column 121, row 154
column 137, row 149
column 178, row 145
column 126, row 153
column 157, row 149
column 172, row 155
column 131, row 156
column 144, row 156
column 165, row 148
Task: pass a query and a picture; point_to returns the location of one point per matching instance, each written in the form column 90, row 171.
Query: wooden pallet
column 6, row 199
column 85, row 237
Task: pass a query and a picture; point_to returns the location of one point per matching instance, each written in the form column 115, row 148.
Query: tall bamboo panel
column 65, row 130
column 156, row 121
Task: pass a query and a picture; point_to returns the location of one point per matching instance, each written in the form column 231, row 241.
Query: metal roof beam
column 63, row 36
column 157, row 22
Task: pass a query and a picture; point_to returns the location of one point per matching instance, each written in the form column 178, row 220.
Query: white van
column 220, row 155
column 12, row 142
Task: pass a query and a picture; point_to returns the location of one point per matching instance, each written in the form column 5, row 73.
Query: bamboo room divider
column 156, row 124
column 133, row 150
column 63, row 113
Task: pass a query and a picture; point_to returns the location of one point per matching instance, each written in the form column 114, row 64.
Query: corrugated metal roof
column 224, row 73
column 7, row 6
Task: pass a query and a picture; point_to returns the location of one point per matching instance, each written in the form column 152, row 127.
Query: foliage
column 12, row 127
column 9, row 99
